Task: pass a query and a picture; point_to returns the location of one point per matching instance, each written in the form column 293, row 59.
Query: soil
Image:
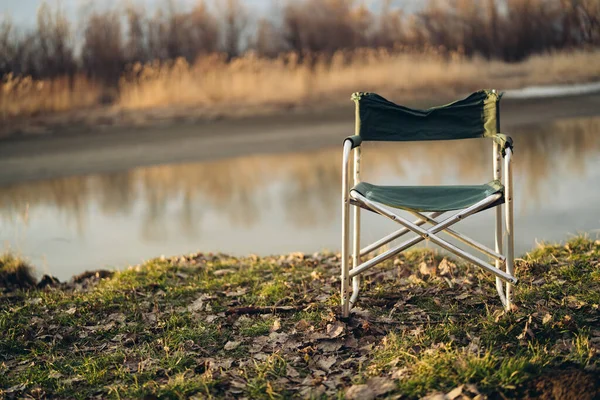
column 569, row 384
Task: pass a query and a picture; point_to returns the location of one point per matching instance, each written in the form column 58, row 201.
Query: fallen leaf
column 360, row 392
column 326, row 362
column 231, row 345
column 454, row 393
column 381, row 385
column 401, row 373
column 435, row 396
column 197, row 305
column 291, row 372
column 547, row 318
column 336, row 329
column 329, row 346
column 71, row 311
column 222, row 272
column 446, row 267
column 211, row 318
column 278, row 337
column 237, row 293
column 304, row 325
column 55, row 375
column 276, row 325
column 427, row 269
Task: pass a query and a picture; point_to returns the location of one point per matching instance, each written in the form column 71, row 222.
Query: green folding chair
column 377, row 119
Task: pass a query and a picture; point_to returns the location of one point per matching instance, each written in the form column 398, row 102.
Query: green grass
column 171, row 329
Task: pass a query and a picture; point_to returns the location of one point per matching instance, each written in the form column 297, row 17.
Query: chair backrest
column 473, row 117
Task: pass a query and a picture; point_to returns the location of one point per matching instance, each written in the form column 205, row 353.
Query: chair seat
column 430, row 198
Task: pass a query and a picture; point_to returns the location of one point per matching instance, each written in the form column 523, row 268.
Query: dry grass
column 15, row 272
column 23, row 97
column 253, row 81
column 250, row 84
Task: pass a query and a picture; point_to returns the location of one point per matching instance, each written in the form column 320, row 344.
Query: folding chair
column 377, row 119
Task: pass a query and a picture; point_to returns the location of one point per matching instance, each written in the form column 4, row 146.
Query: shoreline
column 34, row 158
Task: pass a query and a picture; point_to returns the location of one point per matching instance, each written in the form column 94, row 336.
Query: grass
column 208, row 325
column 251, row 85
column 15, row 272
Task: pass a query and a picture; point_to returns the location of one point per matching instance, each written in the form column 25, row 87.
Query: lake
column 282, row 203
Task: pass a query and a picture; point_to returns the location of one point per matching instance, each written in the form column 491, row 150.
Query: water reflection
column 274, row 203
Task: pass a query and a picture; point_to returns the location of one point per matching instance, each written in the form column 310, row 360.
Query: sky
column 23, row 12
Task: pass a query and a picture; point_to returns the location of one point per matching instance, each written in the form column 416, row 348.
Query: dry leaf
column 197, row 305
column 304, row 325
column 276, row 325
column 454, row 393
column 231, row 345
column 291, row 372
column 427, row 269
column 435, row 396
column 360, row 392
column 326, row 362
column 280, row 338
column 329, row 346
column 400, row 373
column 237, row 293
column 547, row 318
column 211, row 318
column 336, row 329
column 381, row 385
column 446, row 267
column 55, row 375
column 222, row 272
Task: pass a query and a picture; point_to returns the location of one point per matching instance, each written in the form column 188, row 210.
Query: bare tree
column 234, row 20
column 103, row 50
column 136, row 47
column 7, row 46
column 55, row 42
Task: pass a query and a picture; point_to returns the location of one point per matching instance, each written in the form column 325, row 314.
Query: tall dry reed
column 283, row 81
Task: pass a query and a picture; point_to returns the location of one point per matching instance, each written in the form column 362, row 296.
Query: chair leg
column 345, row 232
column 498, row 242
column 510, row 234
column 356, row 257
column 345, row 261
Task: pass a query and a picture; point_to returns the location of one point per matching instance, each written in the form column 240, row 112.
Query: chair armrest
column 356, row 140
column 505, row 142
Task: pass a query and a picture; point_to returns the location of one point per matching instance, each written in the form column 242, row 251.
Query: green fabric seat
column 430, row 198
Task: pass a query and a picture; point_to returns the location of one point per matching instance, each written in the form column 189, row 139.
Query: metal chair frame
column 504, row 279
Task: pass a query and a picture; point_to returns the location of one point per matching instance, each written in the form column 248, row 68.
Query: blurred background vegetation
column 219, row 52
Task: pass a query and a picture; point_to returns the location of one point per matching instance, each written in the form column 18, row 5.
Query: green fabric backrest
column 473, row 117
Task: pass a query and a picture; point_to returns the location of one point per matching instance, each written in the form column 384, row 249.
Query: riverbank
column 68, row 153
column 210, row 325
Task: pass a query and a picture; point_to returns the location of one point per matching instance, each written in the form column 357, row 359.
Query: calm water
column 284, row 203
